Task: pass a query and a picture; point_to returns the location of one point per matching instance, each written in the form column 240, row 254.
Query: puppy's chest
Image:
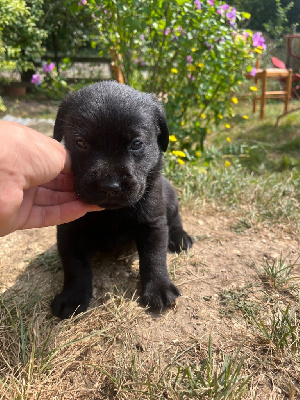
column 109, row 224
column 109, row 232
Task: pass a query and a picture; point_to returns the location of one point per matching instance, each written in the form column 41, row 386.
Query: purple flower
column 36, row 79
column 191, row 77
column 142, row 37
column 225, row 7
column 189, row 59
column 136, row 60
column 48, row 67
column 258, row 40
column 253, row 71
column 82, row 2
column 197, row 4
column 232, row 14
column 211, row 2
column 208, row 45
column 167, row 31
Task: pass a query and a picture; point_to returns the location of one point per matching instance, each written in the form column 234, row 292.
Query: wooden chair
column 284, row 75
column 295, row 77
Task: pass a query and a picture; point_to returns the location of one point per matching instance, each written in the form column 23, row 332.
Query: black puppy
column 116, row 136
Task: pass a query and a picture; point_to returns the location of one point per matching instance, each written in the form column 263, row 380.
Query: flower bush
column 190, row 53
column 49, row 82
column 20, row 38
column 20, row 35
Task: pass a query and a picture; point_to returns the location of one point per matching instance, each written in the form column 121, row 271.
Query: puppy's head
column 115, row 136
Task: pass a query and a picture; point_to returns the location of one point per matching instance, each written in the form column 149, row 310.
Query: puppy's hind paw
column 179, row 240
column 159, row 296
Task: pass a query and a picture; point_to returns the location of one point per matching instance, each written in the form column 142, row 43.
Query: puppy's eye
column 81, row 144
column 136, row 145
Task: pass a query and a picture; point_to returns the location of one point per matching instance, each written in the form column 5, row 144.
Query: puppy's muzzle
column 109, row 188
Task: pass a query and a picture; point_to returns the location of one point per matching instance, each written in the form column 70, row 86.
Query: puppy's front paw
column 161, row 295
column 179, row 240
column 69, row 303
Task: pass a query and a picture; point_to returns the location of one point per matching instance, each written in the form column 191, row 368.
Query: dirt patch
column 225, row 258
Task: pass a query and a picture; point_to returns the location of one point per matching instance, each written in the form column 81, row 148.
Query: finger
column 48, row 197
column 59, row 214
column 63, row 182
column 67, row 166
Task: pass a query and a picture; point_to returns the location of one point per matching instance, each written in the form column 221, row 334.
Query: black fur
column 116, row 136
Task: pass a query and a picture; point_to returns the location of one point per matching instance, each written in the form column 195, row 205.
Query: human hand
column 36, row 183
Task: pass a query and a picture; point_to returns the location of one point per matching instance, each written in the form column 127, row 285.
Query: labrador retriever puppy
column 116, row 137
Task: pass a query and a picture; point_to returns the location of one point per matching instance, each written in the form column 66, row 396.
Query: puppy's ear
column 58, row 132
column 163, row 136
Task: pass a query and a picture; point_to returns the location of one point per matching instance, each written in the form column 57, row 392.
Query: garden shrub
column 20, row 35
column 20, row 38
column 190, row 53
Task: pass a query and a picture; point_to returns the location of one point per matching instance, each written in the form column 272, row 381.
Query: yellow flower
column 174, row 70
column 227, row 126
column 228, row 139
column 253, row 88
column 180, row 161
column 191, row 68
column 197, row 153
column 203, row 170
column 182, row 123
column 193, row 49
column 201, row 65
column 207, row 130
column 220, row 116
column 172, row 138
column 227, row 163
column 178, row 153
column 203, row 116
column 234, row 100
column 257, row 50
column 245, row 116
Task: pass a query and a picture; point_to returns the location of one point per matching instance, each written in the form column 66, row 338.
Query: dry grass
column 118, row 350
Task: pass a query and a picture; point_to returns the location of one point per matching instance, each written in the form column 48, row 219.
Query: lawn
column 234, row 333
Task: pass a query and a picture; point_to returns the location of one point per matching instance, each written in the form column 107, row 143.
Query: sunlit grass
column 253, row 166
column 279, row 273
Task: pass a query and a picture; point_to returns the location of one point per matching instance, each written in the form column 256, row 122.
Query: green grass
column 280, row 329
column 253, row 167
column 279, row 273
column 211, row 379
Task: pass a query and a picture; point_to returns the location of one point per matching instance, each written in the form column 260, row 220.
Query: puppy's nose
column 110, row 187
